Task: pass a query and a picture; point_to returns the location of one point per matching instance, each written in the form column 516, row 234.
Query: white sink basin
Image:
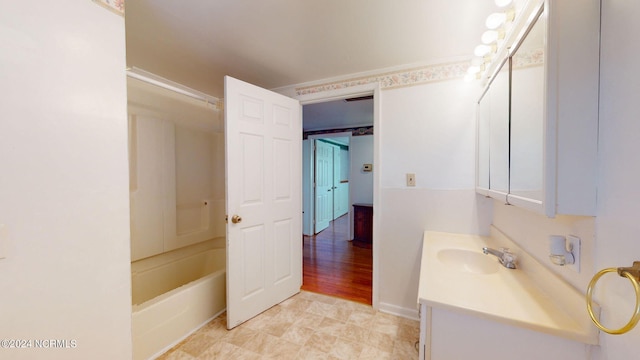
column 468, row 261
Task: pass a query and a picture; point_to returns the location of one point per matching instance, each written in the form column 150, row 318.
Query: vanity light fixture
column 503, row 3
column 497, row 23
column 482, row 50
column 489, row 36
column 495, row 20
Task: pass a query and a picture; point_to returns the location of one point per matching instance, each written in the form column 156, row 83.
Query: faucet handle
column 508, row 258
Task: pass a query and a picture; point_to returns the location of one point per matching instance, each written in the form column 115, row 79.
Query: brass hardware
column 226, row 219
column 631, row 273
column 633, row 270
column 236, row 219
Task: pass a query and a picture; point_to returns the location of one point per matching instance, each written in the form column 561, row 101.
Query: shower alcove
column 176, row 157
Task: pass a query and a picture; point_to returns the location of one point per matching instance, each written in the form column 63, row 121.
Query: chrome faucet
column 507, row 259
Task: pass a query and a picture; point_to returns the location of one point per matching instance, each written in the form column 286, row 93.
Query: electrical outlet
column 574, row 247
column 411, row 179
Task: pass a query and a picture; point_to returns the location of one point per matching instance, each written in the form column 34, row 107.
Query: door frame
column 355, row 91
column 312, row 187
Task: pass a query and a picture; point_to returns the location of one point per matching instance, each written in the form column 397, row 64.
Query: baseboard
column 412, row 314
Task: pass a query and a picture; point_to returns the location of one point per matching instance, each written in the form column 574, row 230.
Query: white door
column 263, row 136
column 340, row 189
column 324, row 185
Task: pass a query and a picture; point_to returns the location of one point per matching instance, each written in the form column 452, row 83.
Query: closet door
column 324, row 185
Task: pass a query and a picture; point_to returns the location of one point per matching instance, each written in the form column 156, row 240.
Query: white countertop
column 508, row 296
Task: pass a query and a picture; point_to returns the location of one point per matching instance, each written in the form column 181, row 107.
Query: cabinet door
column 498, row 93
column 483, row 128
column 527, row 116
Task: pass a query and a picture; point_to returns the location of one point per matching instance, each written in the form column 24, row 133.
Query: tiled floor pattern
column 306, row 326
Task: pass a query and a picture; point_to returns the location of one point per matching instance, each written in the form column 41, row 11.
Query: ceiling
column 275, row 43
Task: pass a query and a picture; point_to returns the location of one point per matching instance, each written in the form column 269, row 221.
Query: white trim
column 412, row 314
column 360, row 90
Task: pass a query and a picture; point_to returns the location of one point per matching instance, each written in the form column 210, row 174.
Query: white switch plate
column 574, row 245
column 411, row 179
column 3, row 241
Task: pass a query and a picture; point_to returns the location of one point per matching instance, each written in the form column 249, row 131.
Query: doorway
column 334, row 165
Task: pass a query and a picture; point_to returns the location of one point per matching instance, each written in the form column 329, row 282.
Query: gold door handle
column 236, row 219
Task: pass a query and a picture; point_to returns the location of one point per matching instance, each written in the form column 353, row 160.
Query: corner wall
column 64, row 184
column 617, row 225
column 428, row 130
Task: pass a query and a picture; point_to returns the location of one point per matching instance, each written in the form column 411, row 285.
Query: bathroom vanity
column 472, row 307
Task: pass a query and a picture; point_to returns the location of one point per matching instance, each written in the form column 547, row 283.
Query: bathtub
column 173, row 295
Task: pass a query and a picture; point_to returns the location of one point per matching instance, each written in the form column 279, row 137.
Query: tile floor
column 306, row 326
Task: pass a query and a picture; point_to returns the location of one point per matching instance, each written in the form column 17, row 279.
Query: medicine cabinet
column 537, row 119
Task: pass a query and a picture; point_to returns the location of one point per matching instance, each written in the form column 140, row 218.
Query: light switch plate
column 3, row 241
column 411, row 179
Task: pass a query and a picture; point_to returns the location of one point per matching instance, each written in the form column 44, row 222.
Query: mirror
column 527, row 114
column 482, row 171
column 498, row 98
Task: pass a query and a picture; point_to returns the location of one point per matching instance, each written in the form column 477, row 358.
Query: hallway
column 333, row 266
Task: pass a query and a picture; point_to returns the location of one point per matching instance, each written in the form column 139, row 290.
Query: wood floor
column 334, row 266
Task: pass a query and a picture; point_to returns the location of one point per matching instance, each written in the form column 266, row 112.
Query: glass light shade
column 495, row 20
column 473, row 70
column 482, row 50
column 503, row 3
column 489, row 36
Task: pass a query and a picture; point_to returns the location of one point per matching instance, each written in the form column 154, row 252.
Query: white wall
column 617, row 225
column 361, row 149
column 531, row 231
column 64, row 184
column 428, row 130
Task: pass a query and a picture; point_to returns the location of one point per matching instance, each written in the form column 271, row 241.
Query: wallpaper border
column 116, row 6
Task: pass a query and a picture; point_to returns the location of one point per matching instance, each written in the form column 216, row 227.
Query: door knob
column 236, row 219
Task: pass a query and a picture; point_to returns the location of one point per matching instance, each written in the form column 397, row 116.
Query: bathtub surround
column 175, row 294
column 177, row 176
column 176, row 169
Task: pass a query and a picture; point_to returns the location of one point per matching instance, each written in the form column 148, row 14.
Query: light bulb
column 489, row 36
column 473, row 70
column 495, row 20
column 482, row 50
column 503, row 3
column 469, row 77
